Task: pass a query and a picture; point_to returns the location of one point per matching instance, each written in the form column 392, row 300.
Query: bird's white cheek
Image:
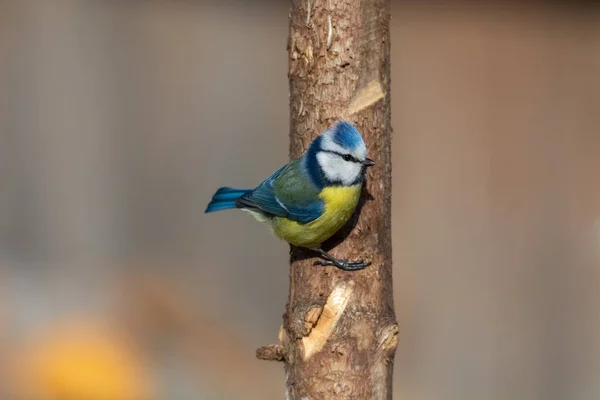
column 350, row 173
column 327, row 162
column 336, row 169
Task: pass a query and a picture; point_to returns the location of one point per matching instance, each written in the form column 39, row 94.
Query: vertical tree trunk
column 339, row 334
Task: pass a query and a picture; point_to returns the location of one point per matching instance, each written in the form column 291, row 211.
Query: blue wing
column 287, row 193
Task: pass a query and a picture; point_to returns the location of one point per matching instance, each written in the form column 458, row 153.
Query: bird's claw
column 344, row 264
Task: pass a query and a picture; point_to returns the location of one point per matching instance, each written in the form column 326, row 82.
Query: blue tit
column 311, row 198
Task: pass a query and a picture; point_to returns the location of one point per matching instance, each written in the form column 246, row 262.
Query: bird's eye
column 348, row 157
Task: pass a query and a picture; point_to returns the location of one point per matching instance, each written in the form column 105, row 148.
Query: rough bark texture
column 339, row 334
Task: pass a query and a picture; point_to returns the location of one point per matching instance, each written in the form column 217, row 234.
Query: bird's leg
column 342, row 264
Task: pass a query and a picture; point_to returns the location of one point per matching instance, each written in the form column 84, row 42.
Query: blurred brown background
column 118, row 120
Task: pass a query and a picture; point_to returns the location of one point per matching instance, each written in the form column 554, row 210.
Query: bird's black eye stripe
column 346, row 157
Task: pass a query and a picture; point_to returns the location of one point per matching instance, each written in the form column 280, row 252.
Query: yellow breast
column 340, row 202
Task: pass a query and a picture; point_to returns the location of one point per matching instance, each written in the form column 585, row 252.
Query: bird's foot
column 341, row 264
column 344, row 264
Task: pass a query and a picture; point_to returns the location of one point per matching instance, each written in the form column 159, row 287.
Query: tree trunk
column 339, row 334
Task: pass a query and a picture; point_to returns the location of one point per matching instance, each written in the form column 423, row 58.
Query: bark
column 339, row 334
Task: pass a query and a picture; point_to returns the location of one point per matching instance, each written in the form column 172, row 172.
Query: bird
column 309, row 199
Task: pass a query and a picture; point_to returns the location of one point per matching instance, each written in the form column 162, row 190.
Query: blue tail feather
column 225, row 198
column 212, row 206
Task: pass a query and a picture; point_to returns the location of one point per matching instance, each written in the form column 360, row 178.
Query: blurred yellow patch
column 82, row 362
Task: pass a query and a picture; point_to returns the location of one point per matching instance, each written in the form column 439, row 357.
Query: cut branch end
column 271, row 352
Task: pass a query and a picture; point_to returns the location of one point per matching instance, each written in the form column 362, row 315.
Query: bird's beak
column 368, row 162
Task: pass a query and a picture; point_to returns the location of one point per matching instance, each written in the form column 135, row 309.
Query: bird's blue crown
column 346, row 135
